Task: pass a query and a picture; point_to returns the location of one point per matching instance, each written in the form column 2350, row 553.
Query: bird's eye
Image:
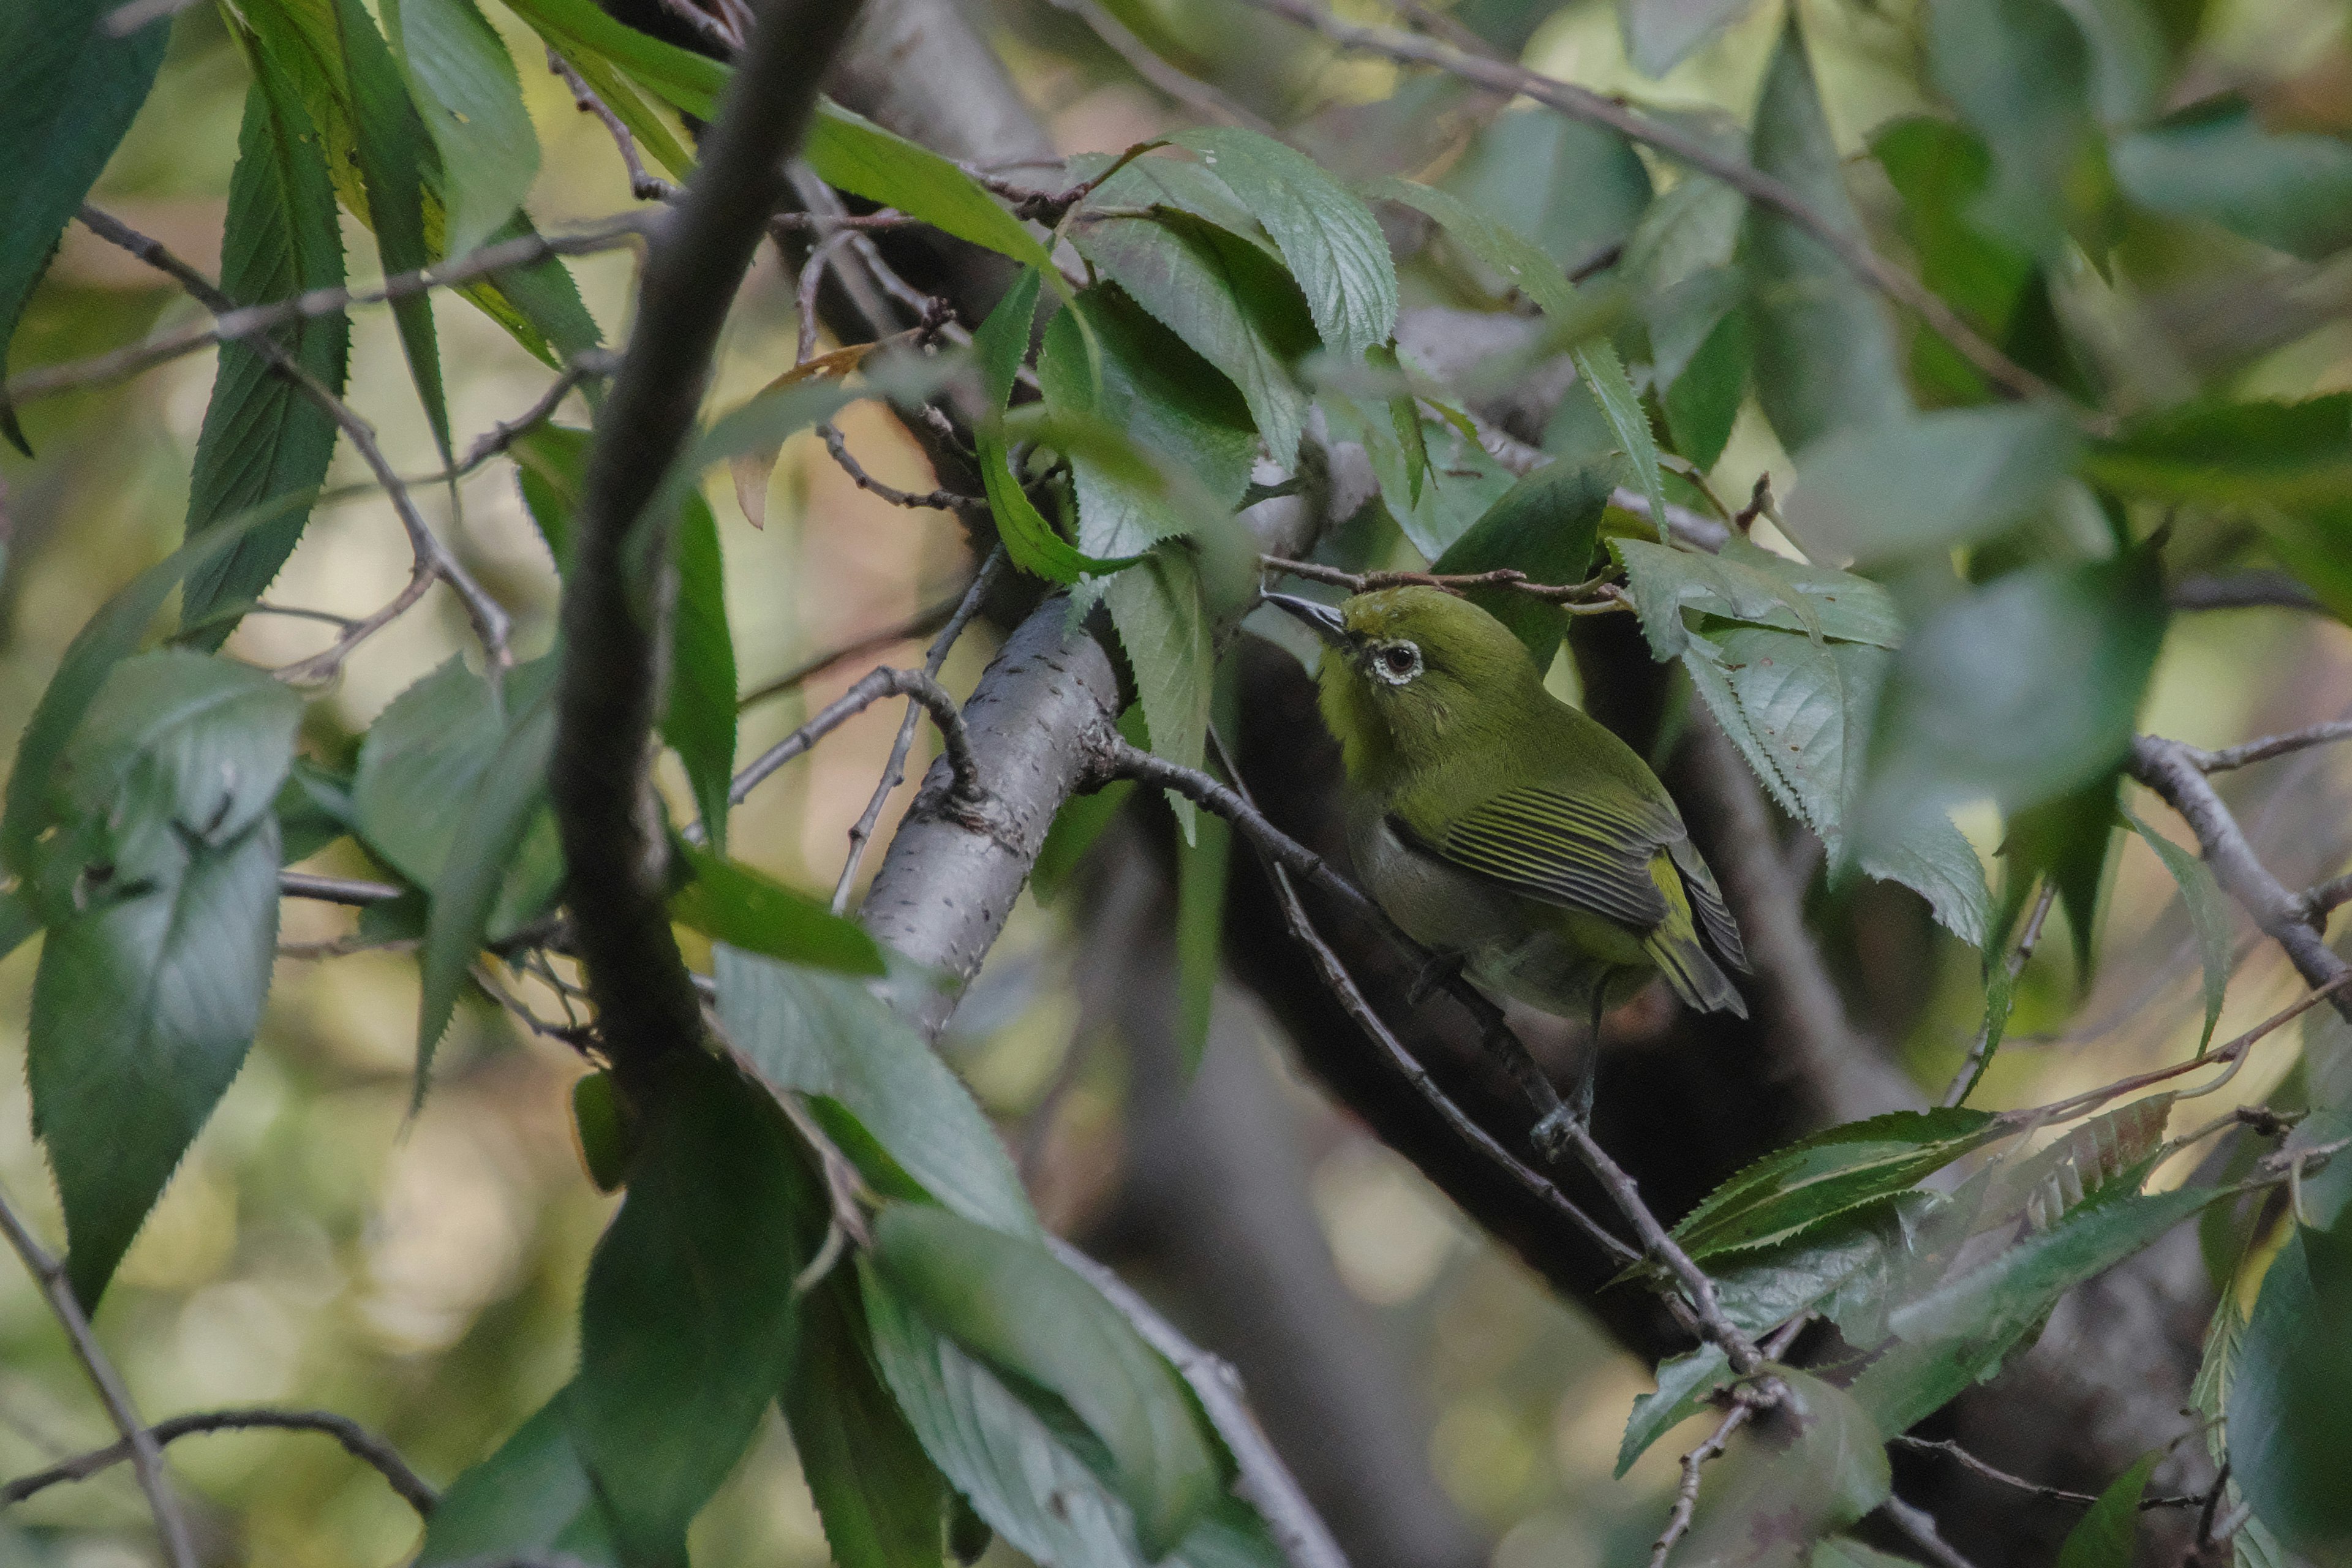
column 1397, row 663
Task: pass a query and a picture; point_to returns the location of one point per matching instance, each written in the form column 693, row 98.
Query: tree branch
column 145, row 1454
column 1577, row 103
column 644, row 183
column 1198, row 96
column 611, row 616
column 871, row 688
column 361, row 1445
column 1968, row 1461
column 2243, row 590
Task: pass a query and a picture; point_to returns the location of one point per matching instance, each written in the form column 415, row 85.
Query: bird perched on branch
column 1505, row 830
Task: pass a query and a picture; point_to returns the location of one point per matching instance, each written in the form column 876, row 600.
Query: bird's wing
column 1706, row 902
column 1580, row 851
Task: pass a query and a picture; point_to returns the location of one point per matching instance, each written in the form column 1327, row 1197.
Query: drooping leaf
column 879, row 1496
column 1223, row 296
column 1926, row 482
column 1814, row 1466
column 264, row 437
column 1334, row 249
column 687, row 1319
column 2066, row 841
column 2213, row 160
column 1960, row 1332
column 2108, row 1533
column 488, row 855
column 532, row 1495
column 2208, row 916
column 68, row 89
column 1660, row 33
column 1164, row 627
column 1104, row 358
column 1546, row 526
column 825, row 1034
column 1703, row 401
column 731, row 902
column 1971, row 707
column 862, row 158
column 1825, row 353
column 1020, row 1310
column 1567, row 186
column 1934, row 859
column 470, row 98
column 2287, row 1402
column 2019, row 73
column 393, row 152
column 1829, row 1173
column 1604, row 374
column 160, row 892
column 2045, row 1186
column 699, row 719
column 1745, row 582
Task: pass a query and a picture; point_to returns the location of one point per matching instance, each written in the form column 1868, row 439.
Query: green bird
column 1505, row 830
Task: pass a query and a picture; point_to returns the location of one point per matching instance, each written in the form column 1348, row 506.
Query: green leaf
column 1547, row 526
column 2213, row 160
column 1568, row 187
column 1959, row 1333
column 878, row 1495
column 263, row 439
column 1685, row 1384
column 1934, row 859
column 68, row 90
column 1020, row 1310
column 539, row 306
column 643, row 122
column 1829, row 1173
column 1702, row 403
column 2108, row 1534
column 731, row 902
column 1745, row 581
column 1659, row 33
column 161, row 895
column 1164, row 627
column 2234, row 453
column 815, row 1033
column 1971, row 707
column 1225, row 297
column 104, row 641
column 1604, row 375
column 1816, row 1465
column 1941, row 171
column 1335, row 251
column 860, row 157
column 488, row 855
column 394, row 152
column 2209, row 916
column 1523, row 264
column 2019, row 73
column 687, row 1319
column 1103, row 357
column 532, row 1495
column 2066, row 841
column 690, row 82
column 698, row 720
column 1803, row 714
column 2287, row 1401
column 1824, row 351
column 601, row 1128
column 470, row 98
column 1926, row 482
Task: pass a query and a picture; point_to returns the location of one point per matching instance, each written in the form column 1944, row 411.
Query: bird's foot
column 1556, row 1132
column 1437, row 974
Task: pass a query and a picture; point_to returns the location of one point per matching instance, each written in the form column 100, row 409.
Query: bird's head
column 1408, row 672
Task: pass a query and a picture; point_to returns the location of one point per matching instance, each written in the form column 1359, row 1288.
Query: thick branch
column 614, row 607
column 2178, row 774
column 360, row 1443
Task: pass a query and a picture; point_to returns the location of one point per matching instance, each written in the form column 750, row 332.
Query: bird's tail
column 1675, row 946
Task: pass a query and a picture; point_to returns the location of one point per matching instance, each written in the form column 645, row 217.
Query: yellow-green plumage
column 1497, row 824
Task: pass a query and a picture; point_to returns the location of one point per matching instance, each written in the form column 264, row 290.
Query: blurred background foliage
column 323, row 1247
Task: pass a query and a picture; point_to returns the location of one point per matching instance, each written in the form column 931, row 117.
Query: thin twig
column 433, row 558
column 870, row 688
column 1577, row 103
column 2320, row 899
column 252, row 321
column 1968, row 1460
column 2266, row 748
column 894, row 773
column 1973, row 1063
column 929, row 618
column 2178, row 774
column 1918, row 1526
column 916, row 501
column 2243, row 590
column 1186, row 88
column 1593, row 598
column 1745, row 1402
column 644, row 183
column 1262, row 1479
column 146, row 1454
column 804, row 297
column 336, row 889
column 592, row 365
column 822, row 223
column 360, row 1443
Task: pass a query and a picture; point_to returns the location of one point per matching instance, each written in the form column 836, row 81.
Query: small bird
column 1504, row 830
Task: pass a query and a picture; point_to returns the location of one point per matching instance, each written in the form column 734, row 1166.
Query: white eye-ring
column 1396, row 662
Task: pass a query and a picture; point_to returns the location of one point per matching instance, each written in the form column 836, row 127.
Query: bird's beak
column 1323, row 619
